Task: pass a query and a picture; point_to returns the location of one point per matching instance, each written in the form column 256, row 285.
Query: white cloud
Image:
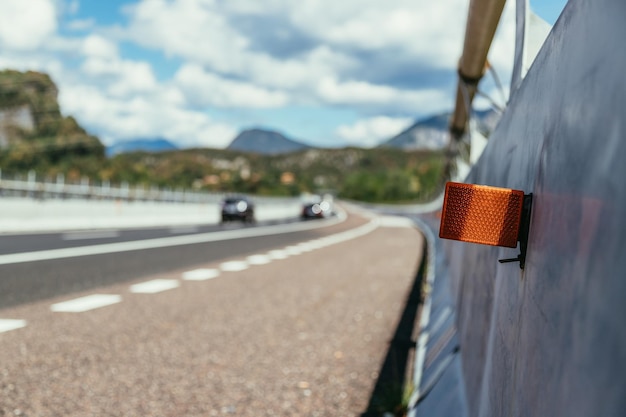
column 125, row 78
column 371, row 132
column 364, row 94
column 194, row 30
column 104, row 67
column 410, row 28
column 25, row 25
column 73, row 6
column 432, row 31
column 200, row 32
column 332, row 70
column 363, row 56
column 299, row 73
column 81, row 24
column 96, row 46
column 204, row 89
column 354, row 92
column 159, row 115
column 195, row 129
column 134, row 77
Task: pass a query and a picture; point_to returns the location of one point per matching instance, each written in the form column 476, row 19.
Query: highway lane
column 27, row 242
column 300, row 334
column 65, row 272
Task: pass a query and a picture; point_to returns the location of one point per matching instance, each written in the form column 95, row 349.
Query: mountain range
column 147, row 145
column 430, row 133
column 265, row 142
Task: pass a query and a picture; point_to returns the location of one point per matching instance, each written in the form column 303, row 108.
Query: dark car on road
column 238, row 208
column 316, row 210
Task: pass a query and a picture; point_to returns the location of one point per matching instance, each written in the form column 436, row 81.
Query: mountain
column 432, row 133
column 265, row 142
column 147, row 145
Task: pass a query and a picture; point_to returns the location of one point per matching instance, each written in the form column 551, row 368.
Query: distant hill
column 147, row 145
column 432, row 133
column 265, row 142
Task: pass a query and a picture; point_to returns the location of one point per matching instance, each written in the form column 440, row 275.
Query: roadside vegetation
column 371, row 175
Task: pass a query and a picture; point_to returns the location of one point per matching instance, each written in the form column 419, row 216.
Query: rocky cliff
column 30, row 116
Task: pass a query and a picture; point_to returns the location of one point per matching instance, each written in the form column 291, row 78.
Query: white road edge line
column 82, row 304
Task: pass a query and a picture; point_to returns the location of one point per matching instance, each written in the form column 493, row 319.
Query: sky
column 197, row 72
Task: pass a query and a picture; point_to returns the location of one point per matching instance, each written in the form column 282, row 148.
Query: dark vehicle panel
column 315, row 210
column 238, row 208
column 317, row 207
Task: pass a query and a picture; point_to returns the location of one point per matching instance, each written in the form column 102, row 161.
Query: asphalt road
column 64, row 272
column 294, row 324
column 27, row 242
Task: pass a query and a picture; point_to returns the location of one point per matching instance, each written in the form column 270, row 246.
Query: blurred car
column 317, row 210
column 238, row 208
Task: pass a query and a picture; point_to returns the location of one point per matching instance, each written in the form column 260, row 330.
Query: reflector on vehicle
column 481, row 214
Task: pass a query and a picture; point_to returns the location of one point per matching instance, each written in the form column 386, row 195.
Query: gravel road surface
column 301, row 336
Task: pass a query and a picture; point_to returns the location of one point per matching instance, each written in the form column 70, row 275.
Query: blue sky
column 196, row 72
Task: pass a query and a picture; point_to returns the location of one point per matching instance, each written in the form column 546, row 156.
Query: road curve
column 295, row 326
column 45, row 265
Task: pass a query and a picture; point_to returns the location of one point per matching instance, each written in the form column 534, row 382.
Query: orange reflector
column 481, row 214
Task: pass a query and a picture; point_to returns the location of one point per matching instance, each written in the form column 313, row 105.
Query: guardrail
column 61, row 189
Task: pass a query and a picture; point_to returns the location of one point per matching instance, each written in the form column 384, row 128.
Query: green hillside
column 375, row 175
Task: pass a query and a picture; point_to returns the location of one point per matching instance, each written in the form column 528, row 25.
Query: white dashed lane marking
column 277, row 254
column 305, row 246
column 82, row 304
column 11, row 324
column 258, row 259
column 163, row 242
column 154, row 286
column 201, row 274
column 293, row 250
column 234, row 266
column 314, row 244
column 90, row 302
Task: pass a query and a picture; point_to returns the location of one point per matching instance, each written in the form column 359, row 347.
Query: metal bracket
column 522, row 237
